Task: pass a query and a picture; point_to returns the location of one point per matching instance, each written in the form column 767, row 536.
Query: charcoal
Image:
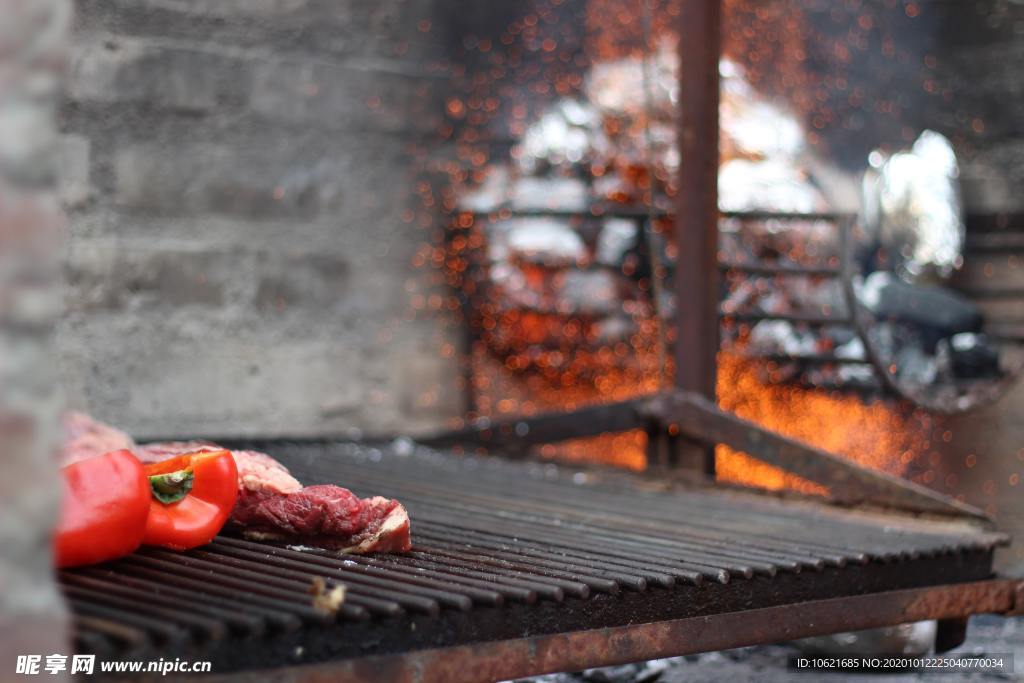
column 839, row 335
column 513, row 288
column 753, row 127
column 914, row 366
column 741, row 297
column 642, row 672
column 972, row 356
column 547, row 241
column 745, row 185
column 779, row 336
column 617, row 237
column 587, row 292
column 612, row 674
column 617, row 87
column 940, row 312
column 907, row 349
column 886, row 337
column 914, row 639
column 856, row 375
column 807, row 294
column 491, row 194
column 614, row 187
column 775, row 301
column 551, row 192
column 606, row 146
column 614, row 329
column 852, row 350
column 567, row 134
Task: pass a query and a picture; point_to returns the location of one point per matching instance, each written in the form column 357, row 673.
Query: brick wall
column 239, row 184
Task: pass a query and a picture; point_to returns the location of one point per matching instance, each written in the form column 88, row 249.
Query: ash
column 769, row 663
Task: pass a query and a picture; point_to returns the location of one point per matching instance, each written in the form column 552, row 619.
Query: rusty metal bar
column 777, row 269
column 510, row 659
column 696, row 225
column 602, row 209
column 847, row 482
column 799, row 317
column 516, row 434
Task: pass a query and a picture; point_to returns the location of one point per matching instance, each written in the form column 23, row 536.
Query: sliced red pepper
column 191, row 497
column 104, row 509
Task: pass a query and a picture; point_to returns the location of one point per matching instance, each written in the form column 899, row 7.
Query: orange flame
column 875, row 434
column 879, row 434
column 537, row 57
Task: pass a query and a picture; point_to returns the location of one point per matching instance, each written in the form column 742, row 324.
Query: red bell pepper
column 104, row 509
column 192, row 496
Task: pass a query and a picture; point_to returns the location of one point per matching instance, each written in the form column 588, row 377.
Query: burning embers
column 570, row 241
column 564, row 253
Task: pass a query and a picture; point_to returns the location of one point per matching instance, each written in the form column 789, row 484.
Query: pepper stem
column 171, row 487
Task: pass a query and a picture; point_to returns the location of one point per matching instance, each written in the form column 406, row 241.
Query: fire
column 873, row 434
column 530, row 358
column 878, row 434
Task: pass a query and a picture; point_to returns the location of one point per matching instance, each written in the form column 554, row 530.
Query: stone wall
column 981, row 49
column 33, row 50
column 241, row 194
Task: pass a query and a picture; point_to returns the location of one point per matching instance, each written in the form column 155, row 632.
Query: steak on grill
column 273, row 505
column 327, row 516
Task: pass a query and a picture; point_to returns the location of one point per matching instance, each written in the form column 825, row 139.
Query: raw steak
column 273, row 505
column 86, row 438
column 325, row 515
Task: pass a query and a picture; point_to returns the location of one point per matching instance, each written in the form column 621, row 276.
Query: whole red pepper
column 104, row 508
column 192, row 496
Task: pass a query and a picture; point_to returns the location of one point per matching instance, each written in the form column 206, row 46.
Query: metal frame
column 696, row 224
column 509, row 659
column 509, row 551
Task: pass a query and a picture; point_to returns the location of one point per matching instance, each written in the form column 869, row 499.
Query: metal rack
column 949, row 401
column 513, row 561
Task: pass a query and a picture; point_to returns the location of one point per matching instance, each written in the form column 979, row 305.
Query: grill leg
column 696, row 229
column 951, row 633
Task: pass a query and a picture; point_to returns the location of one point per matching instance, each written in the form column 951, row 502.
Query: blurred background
column 303, row 217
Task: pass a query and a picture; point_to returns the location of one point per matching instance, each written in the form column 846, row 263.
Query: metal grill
column 504, row 550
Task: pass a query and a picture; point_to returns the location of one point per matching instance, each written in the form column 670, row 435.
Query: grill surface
column 503, row 550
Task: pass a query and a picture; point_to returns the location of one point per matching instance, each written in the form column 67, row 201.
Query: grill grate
column 502, row 549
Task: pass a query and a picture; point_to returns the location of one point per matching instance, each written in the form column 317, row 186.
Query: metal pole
column 696, row 226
